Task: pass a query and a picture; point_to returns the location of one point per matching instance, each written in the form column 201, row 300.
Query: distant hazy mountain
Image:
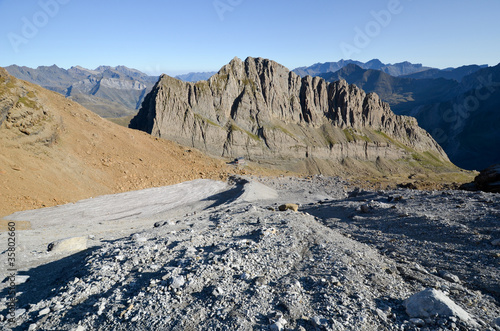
column 462, row 116
column 196, row 76
column 397, row 69
column 108, row 91
column 451, row 73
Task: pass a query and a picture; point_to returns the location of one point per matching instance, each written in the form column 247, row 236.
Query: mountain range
column 260, row 110
column 196, row 76
column 56, row 151
column 429, row 94
column 407, row 69
column 461, row 111
column 108, row 91
column 253, row 252
column 397, row 69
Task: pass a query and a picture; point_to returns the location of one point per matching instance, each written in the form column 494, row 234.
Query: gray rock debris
column 242, row 266
column 449, row 276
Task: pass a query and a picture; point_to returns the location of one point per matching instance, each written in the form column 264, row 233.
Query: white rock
column 68, row 245
column 320, row 321
column 218, row 291
column 21, row 279
column 430, row 302
column 57, row 306
column 178, row 282
column 449, row 276
column 19, row 312
column 44, row 311
column 32, row 327
column 245, row 276
column 417, row 322
column 102, row 306
column 279, row 325
column 137, row 237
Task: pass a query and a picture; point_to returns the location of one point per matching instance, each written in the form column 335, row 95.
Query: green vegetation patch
column 394, row 142
column 348, row 134
column 351, row 135
column 427, row 159
column 282, row 129
column 329, row 140
column 202, row 85
column 205, row 120
column 251, row 83
column 234, row 127
column 28, row 102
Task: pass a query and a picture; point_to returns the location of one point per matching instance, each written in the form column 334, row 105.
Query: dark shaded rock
column 488, row 180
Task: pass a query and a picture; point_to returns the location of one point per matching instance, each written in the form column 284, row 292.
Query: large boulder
column 73, row 244
column 431, row 302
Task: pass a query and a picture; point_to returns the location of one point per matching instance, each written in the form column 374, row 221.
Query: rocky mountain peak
column 259, row 109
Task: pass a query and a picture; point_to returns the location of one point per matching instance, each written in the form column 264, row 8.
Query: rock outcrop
column 488, row 180
column 259, row 109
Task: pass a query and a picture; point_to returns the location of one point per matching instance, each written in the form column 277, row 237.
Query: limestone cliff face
column 259, row 109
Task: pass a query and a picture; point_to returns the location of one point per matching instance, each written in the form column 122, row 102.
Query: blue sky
column 176, row 37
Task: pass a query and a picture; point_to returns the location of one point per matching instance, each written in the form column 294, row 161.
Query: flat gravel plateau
column 227, row 258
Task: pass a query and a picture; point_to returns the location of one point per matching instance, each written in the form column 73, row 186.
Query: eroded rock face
column 259, row 109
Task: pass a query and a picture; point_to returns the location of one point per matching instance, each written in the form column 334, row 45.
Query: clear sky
column 179, row 36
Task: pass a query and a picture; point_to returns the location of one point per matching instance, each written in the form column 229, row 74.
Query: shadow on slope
column 46, row 281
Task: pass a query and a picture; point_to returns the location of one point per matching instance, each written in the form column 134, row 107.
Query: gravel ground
column 347, row 260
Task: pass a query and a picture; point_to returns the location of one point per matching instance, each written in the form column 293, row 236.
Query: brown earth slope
column 53, row 150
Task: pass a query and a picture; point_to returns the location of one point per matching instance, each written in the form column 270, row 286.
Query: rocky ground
column 228, row 259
